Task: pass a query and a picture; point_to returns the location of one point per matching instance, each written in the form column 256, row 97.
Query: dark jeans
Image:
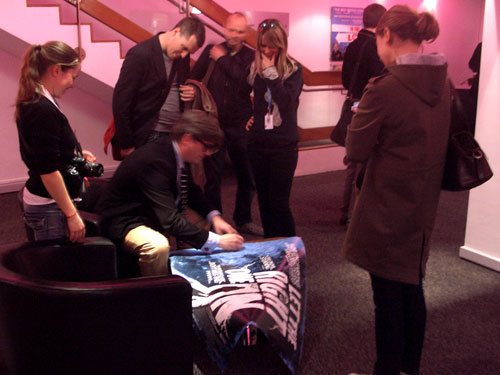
column 237, row 148
column 45, row 222
column 400, row 316
column 274, row 167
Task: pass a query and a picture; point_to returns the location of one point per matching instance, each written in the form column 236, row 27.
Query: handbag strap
column 210, row 69
column 461, row 122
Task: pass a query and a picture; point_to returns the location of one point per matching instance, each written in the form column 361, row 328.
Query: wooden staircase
column 99, row 31
column 121, row 30
column 106, row 27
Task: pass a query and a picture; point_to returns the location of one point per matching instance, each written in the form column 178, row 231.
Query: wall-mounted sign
column 346, row 23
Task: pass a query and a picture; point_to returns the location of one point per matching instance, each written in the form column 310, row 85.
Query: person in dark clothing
column 148, row 96
column 475, row 65
column 364, row 48
column 336, row 55
column 47, row 142
column 230, row 61
column 277, row 83
column 355, row 76
column 149, row 198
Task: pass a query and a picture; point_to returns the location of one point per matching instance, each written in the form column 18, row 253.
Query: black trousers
column 236, row 146
column 274, row 167
column 400, row 316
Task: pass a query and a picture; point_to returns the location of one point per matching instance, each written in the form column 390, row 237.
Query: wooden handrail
column 114, row 20
column 218, row 14
column 210, row 9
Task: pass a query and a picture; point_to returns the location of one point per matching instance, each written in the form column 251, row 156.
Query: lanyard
column 269, row 100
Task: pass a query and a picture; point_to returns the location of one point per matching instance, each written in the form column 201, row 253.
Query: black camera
column 86, row 168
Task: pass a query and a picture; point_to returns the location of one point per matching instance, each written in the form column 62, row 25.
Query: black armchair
column 63, row 312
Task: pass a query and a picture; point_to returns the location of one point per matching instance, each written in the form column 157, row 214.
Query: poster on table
column 264, row 285
column 346, row 23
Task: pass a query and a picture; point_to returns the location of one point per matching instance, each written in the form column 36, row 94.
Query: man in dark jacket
column 361, row 63
column 149, row 92
column 150, row 197
column 229, row 61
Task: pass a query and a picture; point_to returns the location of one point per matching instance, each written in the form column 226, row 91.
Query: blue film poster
column 346, row 23
column 263, row 285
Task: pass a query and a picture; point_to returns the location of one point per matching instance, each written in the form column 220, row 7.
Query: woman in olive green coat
column 401, row 131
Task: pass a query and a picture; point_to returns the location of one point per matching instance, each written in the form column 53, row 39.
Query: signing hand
column 221, row 226
column 187, row 92
column 231, row 242
column 217, row 51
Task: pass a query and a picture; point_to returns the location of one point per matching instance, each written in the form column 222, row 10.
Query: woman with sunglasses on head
column 401, row 131
column 47, row 142
column 277, row 83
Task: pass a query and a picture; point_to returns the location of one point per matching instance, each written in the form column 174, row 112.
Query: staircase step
column 48, row 27
column 99, row 31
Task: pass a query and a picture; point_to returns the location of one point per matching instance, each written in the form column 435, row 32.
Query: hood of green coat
column 425, row 81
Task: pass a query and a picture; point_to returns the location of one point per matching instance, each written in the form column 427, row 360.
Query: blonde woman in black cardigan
column 47, row 142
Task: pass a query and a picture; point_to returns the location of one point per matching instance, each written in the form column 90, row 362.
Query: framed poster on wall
column 346, row 23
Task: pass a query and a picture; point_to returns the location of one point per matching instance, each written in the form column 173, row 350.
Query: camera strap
column 78, row 149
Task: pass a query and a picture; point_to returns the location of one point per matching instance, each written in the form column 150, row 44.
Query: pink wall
column 460, row 22
column 482, row 235
column 87, row 107
column 461, row 30
column 309, row 40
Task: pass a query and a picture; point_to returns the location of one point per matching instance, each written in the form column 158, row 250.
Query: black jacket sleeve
column 124, row 96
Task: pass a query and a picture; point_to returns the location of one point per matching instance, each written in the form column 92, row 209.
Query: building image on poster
column 346, row 23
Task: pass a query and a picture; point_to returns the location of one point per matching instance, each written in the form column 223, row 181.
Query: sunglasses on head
column 266, row 24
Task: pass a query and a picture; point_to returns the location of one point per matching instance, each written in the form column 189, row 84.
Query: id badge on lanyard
column 268, row 118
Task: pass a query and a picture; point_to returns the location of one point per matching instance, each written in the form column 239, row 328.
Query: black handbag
column 466, row 165
column 339, row 132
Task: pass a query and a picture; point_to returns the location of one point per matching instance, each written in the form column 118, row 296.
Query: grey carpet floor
column 463, row 298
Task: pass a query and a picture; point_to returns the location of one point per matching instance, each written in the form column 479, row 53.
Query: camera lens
column 95, row 169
